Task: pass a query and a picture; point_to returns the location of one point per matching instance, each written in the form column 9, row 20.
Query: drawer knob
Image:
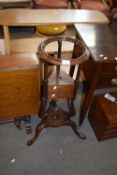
column 114, row 81
column 54, row 88
column 53, row 95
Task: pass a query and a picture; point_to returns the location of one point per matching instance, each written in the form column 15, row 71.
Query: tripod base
column 55, row 117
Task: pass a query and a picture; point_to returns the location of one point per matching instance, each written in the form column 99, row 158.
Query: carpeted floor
column 58, row 151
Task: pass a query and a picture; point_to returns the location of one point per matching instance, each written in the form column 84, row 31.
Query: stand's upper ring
column 83, row 53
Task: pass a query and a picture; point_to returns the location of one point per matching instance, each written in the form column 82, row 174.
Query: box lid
column 109, row 108
column 18, row 61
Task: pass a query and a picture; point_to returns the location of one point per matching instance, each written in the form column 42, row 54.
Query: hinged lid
column 18, row 61
column 109, row 108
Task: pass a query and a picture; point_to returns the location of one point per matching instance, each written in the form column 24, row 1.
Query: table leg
column 91, row 86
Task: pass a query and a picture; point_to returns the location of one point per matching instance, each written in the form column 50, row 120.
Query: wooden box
column 103, row 117
column 19, row 85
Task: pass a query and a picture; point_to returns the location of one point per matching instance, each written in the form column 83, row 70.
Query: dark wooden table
column 101, row 69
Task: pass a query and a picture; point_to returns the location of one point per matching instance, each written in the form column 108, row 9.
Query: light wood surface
column 34, row 17
column 31, row 45
column 31, row 17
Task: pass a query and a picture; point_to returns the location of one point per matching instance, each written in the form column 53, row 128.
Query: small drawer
column 107, row 81
column 55, row 96
column 61, row 89
column 110, row 68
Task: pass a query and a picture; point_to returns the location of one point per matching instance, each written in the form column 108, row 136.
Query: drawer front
column 56, row 92
column 107, row 81
column 56, row 96
column 110, row 68
column 61, row 89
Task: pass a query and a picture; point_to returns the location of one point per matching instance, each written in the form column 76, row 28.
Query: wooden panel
column 110, row 68
column 19, row 87
column 100, row 131
column 103, row 117
column 107, row 81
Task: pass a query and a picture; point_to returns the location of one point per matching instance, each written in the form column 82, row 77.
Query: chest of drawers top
column 101, row 41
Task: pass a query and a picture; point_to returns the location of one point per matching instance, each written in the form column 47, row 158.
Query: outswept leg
column 38, row 130
column 75, row 128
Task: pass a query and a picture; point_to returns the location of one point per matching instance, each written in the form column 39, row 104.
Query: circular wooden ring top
column 82, row 55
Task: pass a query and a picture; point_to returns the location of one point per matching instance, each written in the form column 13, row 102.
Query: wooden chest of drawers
column 103, row 117
column 105, row 72
column 108, row 75
column 100, row 70
column 19, row 85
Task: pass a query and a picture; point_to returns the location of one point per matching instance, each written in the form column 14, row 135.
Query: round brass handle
column 116, row 68
column 114, row 81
